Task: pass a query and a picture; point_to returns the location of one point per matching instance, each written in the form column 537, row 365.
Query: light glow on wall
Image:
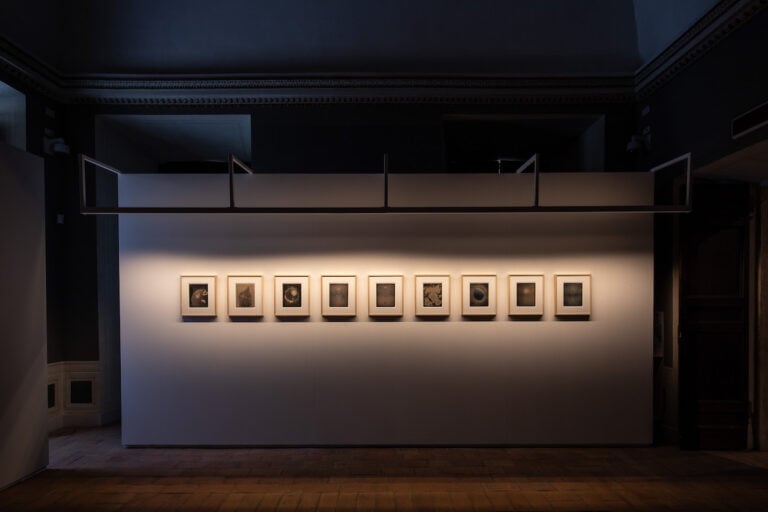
column 404, row 381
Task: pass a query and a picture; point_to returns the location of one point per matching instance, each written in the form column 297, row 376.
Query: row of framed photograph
column 573, row 295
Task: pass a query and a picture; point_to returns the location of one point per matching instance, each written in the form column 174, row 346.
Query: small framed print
column 433, row 295
column 385, row 295
column 198, row 295
column 291, row 295
column 339, row 295
column 478, row 295
column 573, row 295
column 526, row 295
column 244, row 295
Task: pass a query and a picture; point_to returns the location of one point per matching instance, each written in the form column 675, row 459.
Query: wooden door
column 714, row 338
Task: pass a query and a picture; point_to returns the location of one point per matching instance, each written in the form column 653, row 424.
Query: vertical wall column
column 761, row 350
column 23, row 376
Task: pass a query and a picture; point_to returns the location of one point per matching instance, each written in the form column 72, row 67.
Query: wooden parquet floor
column 90, row 471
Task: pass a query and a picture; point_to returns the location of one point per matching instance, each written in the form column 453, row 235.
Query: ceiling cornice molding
column 724, row 18
column 25, row 69
column 202, row 91
column 354, row 90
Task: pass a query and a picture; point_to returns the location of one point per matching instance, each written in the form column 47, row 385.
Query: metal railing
column 533, row 162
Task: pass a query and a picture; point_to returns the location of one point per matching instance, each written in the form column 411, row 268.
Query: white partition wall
column 407, row 380
column 23, row 371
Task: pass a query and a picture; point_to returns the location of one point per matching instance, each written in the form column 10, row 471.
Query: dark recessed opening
column 51, row 395
column 474, row 143
column 81, row 392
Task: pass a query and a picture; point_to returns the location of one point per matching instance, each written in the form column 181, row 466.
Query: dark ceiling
column 338, row 37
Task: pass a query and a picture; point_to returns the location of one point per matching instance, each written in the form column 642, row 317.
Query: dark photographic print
column 244, row 296
column 198, row 295
column 526, row 294
column 478, row 294
column 292, row 295
column 338, row 295
column 433, row 295
column 385, row 295
column 572, row 294
column 245, row 293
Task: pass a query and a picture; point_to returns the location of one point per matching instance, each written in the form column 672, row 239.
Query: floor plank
column 91, row 472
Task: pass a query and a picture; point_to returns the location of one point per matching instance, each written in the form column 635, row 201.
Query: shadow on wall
column 418, row 234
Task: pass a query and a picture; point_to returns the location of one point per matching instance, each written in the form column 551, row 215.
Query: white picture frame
column 245, row 295
column 385, row 295
column 573, row 295
column 339, row 296
column 198, row 295
column 432, row 295
column 525, row 295
column 478, row 295
column 291, row 296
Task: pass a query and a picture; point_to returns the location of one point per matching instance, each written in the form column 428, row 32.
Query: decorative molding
column 343, row 93
column 196, row 90
column 348, row 82
column 55, row 414
column 21, row 67
column 65, row 413
column 361, row 90
column 726, row 17
column 308, row 90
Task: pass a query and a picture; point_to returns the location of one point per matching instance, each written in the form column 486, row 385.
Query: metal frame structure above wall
column 234, row 164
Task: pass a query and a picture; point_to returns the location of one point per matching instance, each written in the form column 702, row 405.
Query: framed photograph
column 198, row 295
column 291, row 295
column 526, row 295
column 245, row 295
column 339, row 295
column 478, row 295
column 385, row 295
column 433, row 295
column 573, row 294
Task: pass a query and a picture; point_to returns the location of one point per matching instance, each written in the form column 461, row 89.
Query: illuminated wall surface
column 402, row 381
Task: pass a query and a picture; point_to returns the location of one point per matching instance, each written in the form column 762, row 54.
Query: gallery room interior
column 384, row 255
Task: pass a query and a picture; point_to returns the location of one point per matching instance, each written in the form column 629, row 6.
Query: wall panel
column 406, row 381
column 23, row 374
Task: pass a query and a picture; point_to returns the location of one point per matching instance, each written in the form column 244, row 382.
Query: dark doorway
column 474, row 143
column 714, row 319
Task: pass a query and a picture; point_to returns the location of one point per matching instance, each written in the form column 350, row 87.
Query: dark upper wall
column 34, row 25
column 693, row 112
column 660, row 22
column 486, row 37
column 70, row 242
column 71, row 250
column 333, row 36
